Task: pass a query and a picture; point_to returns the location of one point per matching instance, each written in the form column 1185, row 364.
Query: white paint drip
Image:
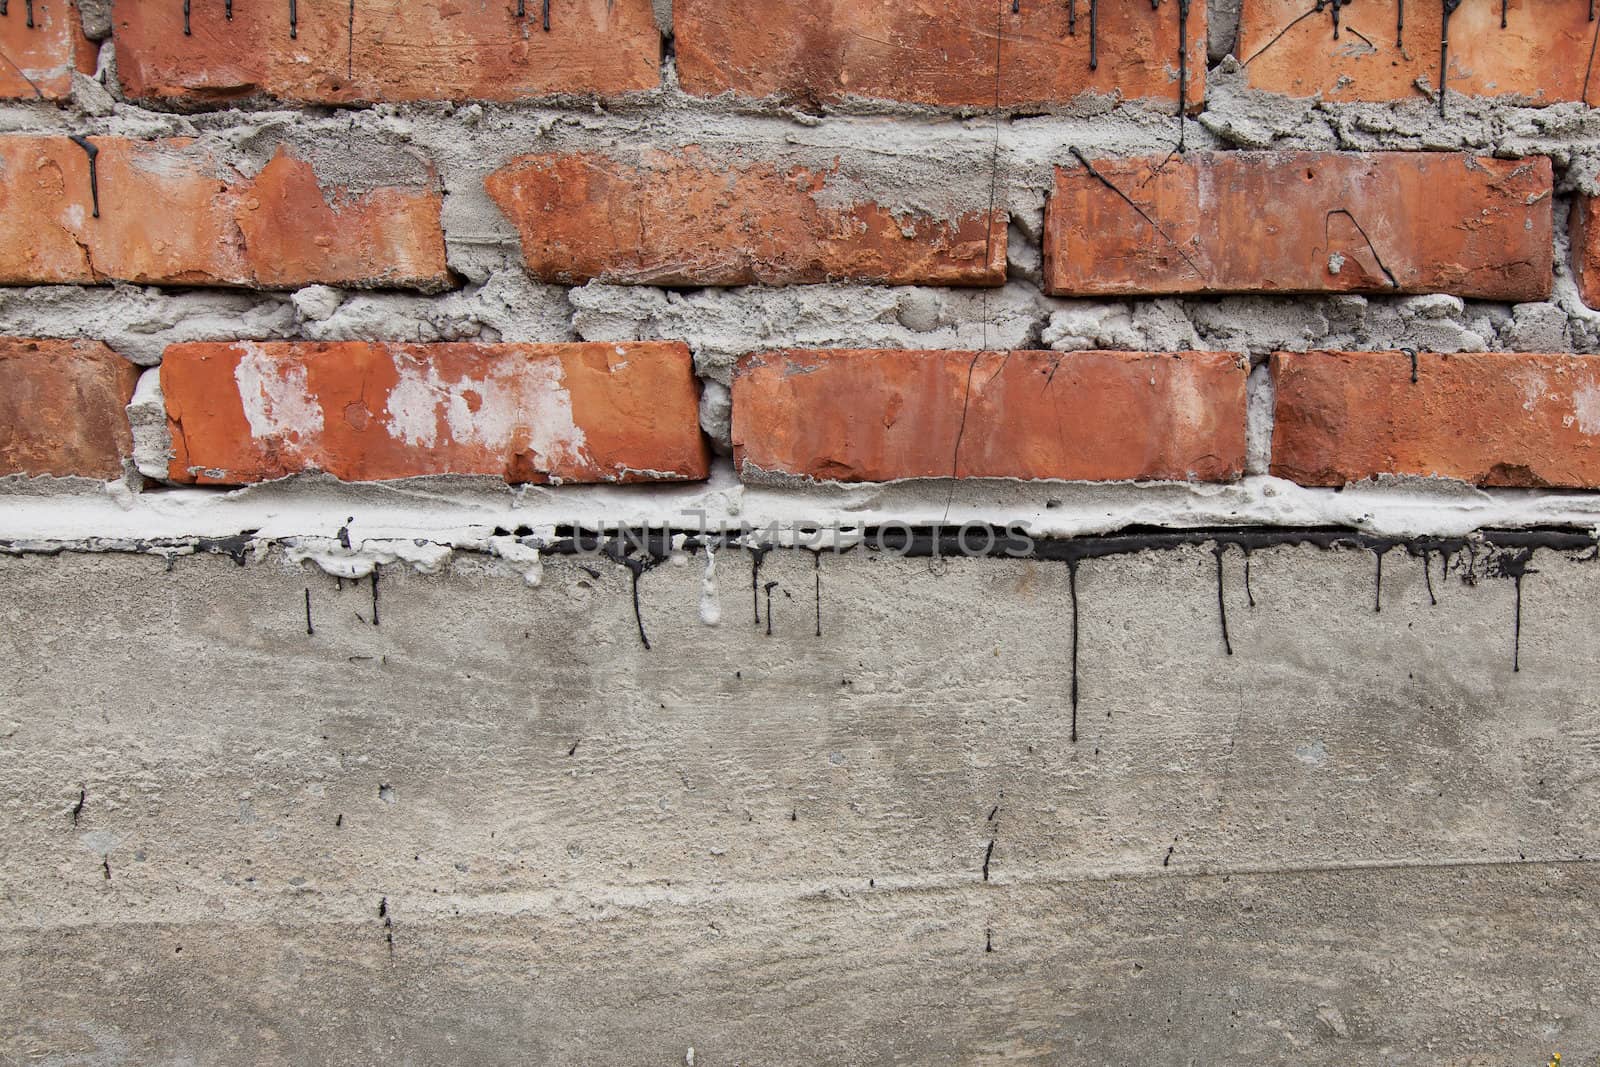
column 524, row 558
column 276, row 397
column 710, row 602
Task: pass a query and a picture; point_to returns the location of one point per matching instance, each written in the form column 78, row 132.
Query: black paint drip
column 1503, row 4
column 1250, row 597
column 227, row 9
column 1072, row 586
column 1444, row 49
column 817, row 567
column 4, row 7
column 638, row 616
column 30, row 26
column 310, row 631
column 1072, row 17
column 294, row 20
column 186, row 31
column 1427, row 577
column 1222, row 603
column 768, row 588
column 93, row 152
column 546, row 16
column 1516, row 633
column 1400, row 23
column 375, row 569
column 1377, row 585
column 758, row 556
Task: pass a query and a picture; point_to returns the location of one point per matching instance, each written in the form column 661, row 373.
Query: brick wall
column 835, row 240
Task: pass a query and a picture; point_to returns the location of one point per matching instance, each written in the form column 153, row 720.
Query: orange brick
column 40, row 49
column 63, row 408
column 244, row 412
column 1585, row 249
column 873, row 416
column 172, row 214
column 681, row 218
column 1540, row 57
column 1492, row 419
column 1302, row 222
column 940, row 52
column 378, row 50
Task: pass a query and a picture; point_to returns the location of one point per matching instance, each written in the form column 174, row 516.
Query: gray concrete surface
column 496, row 829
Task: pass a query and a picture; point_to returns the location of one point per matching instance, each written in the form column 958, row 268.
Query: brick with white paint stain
column 245, row 412
column 1489, row 418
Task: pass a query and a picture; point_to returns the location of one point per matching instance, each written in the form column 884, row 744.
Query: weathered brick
column 1541, row 56
column 378, row 50
column 941, row 52
column 1302, row 222
column 1585, row 249
column 682, row 218
column 171, row 213
column 63, row 408
column 1492, row 419
column 245, row 412
column 41, row 44
column 864, row 415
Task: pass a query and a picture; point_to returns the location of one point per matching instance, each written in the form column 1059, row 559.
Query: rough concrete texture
column 496, row 828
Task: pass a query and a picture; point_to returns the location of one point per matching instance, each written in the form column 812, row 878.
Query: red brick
column 1302, row 222
column 872, row 416
column 681, row 218
column 244, row 412
column 63, row 408
column 173, row 214
column 37, row 61
column 1492, row 419
column 1542, row 56
column 939, row 52
column 1585, row 249
column 386, row 50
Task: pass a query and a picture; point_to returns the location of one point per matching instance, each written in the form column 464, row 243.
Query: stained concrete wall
column 495, row 828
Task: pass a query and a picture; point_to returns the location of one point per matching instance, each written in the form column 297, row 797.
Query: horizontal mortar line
column 577, row 905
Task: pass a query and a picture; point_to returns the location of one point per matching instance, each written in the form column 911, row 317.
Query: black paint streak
column 310, row 630
column 227, row 9
column 767, row 588
column 988, row 854
column 339, row 821
column 1516, row 639
column 1072, row 17
column 1412, row 352
column 1503, row 5
column 105, row 865
column 1400, row 23
column 1125, row 198
column 77, row 809
column 1444, row 49
column 186, row 31
column 1427, row 578
column 1094, row 34
column 30, row 26
column 573, row 751
column 1183, row 68
column 1363, row 232
column 988, row 940
column 375, row 569
column 93, row 152
column 1222, row 603
column 1072, row 586
column 294, row 20
column 1249, row 596
column 344, row 532
column 546, row 16
column 350, row 53
column 388, row 923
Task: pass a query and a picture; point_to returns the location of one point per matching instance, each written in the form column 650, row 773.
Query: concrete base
column 495, row 828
